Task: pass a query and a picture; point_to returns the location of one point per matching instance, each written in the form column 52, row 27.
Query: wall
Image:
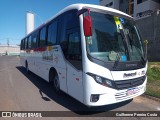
column 115, row 3
column 124, row 6
column 146, row 6
column 150, row 29
column 11, row 50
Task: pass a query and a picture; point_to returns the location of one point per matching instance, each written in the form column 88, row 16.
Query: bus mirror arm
column 82, row 11
column 146, row 42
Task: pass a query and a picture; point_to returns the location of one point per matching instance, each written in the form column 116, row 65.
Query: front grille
column 125, row 84
column 124, row 95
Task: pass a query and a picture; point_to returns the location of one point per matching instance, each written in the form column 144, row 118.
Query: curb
column 151, row 97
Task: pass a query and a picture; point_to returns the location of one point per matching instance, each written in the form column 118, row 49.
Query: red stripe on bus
column 40, row 49
column 77, row 79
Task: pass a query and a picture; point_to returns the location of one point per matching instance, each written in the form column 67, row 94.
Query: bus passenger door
column 74, row 65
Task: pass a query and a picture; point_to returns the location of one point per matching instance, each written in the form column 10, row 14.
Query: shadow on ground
column 64, row 99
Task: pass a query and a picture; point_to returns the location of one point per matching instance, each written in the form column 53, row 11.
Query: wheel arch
column 52, row 73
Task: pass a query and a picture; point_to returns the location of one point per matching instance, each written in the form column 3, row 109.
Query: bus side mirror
column 87, row 25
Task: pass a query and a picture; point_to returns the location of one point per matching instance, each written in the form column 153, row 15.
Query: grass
column 153, row 83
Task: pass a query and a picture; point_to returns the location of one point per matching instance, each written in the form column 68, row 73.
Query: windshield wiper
column 133, row 43
column 142, row 58
column 118, row 57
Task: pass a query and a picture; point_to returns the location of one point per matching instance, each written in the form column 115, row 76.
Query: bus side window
column 43, row 37
column 22, row 45
column 52, row 33
column 69, row 21
column 62, row 31
column 74, row 46
column 74, row 54
column 26, row 43
column 29, row 42
column 35, row 40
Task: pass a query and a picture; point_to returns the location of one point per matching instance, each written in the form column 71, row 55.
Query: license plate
column 131, row 91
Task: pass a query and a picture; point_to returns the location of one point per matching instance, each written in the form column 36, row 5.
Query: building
column 136, row 8
column 9, row 50
column 147, row 15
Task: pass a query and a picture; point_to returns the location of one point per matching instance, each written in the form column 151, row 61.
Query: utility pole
column 8, row 42
column 8, row 46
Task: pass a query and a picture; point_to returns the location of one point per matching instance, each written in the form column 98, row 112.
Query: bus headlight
column 103, row 81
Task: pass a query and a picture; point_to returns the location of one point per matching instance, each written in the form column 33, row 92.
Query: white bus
column 93, row 53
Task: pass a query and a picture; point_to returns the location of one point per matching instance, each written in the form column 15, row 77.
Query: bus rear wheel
column 56, row 84
column 27, row 68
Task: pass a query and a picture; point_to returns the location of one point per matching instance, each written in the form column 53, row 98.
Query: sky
column 13, row 15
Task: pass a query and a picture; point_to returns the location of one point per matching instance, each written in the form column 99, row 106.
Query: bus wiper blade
column 142, row 58
column 122, row 34
column 133, row 43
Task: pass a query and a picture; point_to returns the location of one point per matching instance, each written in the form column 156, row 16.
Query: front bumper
column 111, row 96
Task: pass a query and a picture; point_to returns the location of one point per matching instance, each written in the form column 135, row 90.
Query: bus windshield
column 114, row 38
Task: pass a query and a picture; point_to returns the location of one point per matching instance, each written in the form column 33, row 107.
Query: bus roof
column 79, row 6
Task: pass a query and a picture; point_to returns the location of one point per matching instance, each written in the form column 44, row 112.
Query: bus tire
column 27, row 68
column 56, row 84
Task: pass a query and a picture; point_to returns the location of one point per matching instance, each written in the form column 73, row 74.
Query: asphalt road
column 20, row 91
